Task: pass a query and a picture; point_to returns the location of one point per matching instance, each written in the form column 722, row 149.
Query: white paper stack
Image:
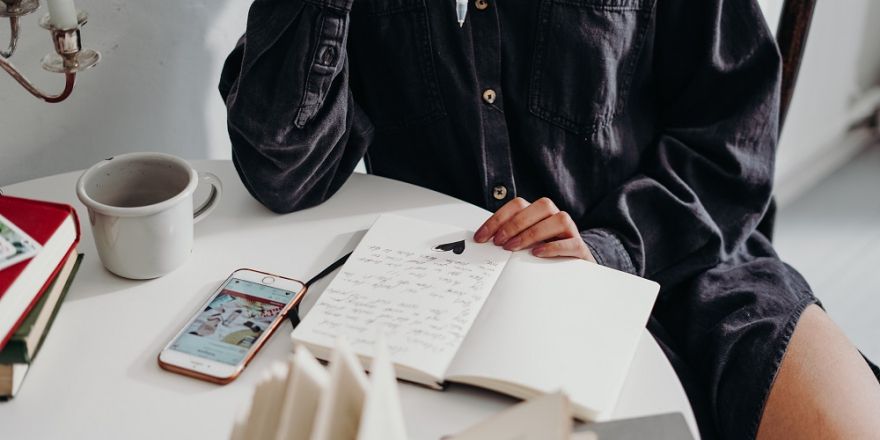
column 302, row 400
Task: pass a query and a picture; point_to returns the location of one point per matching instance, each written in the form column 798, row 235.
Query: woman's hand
column 520, row 225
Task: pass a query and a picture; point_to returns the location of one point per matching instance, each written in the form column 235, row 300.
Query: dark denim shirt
column 653, row 123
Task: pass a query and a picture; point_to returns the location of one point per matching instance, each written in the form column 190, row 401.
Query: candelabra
column 69, row 57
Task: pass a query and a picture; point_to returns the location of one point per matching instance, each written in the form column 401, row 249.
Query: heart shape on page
column 457, row 247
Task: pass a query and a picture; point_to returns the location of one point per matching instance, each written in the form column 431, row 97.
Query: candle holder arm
column 14, row 30
column 69, row 82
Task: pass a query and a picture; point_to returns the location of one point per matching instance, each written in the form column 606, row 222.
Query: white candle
column 62, row 14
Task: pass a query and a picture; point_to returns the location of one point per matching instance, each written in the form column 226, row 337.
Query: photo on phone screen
column 232, row 321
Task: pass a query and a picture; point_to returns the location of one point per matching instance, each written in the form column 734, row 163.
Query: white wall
column 156, row 88
column 772, row 10
column 840, row 66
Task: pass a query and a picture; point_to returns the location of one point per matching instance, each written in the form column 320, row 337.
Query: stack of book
column 38, row 261
column 302, row 400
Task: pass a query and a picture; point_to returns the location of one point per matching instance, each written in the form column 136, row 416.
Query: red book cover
column 40, row 220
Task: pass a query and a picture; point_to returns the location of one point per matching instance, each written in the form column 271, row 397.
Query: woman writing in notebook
column 638, row 134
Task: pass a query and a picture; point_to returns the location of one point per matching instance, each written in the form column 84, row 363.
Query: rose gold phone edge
column 251, row 353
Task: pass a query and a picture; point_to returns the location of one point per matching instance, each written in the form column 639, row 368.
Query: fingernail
column 480, row 235
column 538, row 251
column 500, row 238
column 513, row 245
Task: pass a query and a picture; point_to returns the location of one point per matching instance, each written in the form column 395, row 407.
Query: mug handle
column 216, row 192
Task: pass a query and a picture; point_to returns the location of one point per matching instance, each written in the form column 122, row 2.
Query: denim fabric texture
column 653, row 123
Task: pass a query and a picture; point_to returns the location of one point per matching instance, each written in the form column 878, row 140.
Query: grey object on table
column 670, row 426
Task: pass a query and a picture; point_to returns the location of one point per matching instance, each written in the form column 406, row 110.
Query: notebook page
column 559, row 324
column 423, row 300
column 382, row 418
column 339, row 410
column 308, row 381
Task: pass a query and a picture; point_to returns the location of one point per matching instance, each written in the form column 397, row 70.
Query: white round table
column 96, row 375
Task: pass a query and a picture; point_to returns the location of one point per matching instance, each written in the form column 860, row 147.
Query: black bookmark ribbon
column 457, row 247
column 293, row 314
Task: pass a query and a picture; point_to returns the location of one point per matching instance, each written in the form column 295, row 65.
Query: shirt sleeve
column 296, row 132
column 704, row 186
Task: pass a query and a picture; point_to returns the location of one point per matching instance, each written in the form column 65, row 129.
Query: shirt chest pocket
column 585, row 54
column 392, row 68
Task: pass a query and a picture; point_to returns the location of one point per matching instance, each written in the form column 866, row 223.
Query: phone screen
column 233, row 321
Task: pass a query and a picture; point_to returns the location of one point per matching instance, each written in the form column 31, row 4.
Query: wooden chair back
column 791, row 37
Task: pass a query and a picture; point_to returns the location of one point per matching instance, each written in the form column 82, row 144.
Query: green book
column 24, row 344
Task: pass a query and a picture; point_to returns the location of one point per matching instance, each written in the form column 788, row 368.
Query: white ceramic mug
column 141, row 211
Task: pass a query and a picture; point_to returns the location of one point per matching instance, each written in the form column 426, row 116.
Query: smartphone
column 231, row 327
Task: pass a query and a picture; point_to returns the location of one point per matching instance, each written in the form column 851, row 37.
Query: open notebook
column 483, row 316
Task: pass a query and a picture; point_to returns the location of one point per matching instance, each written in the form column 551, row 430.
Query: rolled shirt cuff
column 608, row 250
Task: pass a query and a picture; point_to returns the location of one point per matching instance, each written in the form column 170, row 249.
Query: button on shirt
column 489, row 96
column 499, row 192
